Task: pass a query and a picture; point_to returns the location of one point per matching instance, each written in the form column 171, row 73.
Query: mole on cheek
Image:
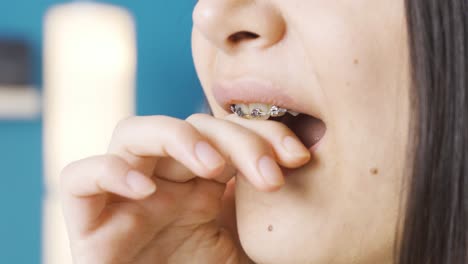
column 270, row 228
column 374, row 171
column 356, row 61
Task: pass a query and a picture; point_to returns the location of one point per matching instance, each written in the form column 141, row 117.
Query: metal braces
column 258, row 113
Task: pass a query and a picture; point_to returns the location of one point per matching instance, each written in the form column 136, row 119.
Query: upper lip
column 251, row 90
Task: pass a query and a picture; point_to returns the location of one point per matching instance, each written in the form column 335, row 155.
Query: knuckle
column 122, row 126
column 102, row 166
column 183, row 129
column 157, row 119
column 261, row 144
column 66, row 170
column 253, row 141
column 124, row 122
column 108, row 165
column 126, row 127
column 68, row 178
column 66, row 173
column 176, row 126
column 250, row 135
column 197, row 117
column 258, row 143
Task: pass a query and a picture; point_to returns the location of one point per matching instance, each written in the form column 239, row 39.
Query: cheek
column 204, row 56
column 360, row 67
column 360, row 62
column 362, row 70
column 201, row 56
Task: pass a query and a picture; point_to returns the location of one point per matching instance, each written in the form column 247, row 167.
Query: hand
column 157, row 195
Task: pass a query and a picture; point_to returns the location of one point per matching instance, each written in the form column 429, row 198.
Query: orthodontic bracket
column 258, row 113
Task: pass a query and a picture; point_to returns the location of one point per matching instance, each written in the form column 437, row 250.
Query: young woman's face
column 346, row 63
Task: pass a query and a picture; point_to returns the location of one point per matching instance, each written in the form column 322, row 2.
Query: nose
column 238, row 24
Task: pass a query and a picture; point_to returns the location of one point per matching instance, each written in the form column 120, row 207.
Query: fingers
column 247, row 151
column 85, row 184
column 172, row 170
column 106, row 173
column 161, row 136
column 290, row 151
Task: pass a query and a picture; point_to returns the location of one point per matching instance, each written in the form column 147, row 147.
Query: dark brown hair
column 435, row 223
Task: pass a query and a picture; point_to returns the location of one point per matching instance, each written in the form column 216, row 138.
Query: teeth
column 293, row 113
column 240, row 109
column 259, row 111
column 277, row 111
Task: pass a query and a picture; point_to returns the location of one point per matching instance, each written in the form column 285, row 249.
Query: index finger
column 138, row 138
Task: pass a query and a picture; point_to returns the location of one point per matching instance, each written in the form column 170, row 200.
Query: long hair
column 435, row 227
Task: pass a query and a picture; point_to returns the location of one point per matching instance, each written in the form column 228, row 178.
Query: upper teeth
column 259, row 111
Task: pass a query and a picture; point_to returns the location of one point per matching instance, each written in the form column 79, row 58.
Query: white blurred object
column 89, row 85
column 19, row 98
column 19, row 102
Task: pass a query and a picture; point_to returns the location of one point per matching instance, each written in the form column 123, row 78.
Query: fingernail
column 295, row 147
column 208, row 155
column 139, row 183
column 270, row 171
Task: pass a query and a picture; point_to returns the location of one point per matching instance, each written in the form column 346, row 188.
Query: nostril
column 241, row 36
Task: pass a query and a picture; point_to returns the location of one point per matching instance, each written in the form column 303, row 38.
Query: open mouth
column 253, row 98
column 308, row 129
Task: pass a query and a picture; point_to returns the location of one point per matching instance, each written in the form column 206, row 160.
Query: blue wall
column 167, row 84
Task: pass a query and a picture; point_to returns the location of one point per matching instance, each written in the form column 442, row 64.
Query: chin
column 312, row 220
column 274, row 227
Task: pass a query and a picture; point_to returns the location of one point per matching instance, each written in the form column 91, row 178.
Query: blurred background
column 68, row 72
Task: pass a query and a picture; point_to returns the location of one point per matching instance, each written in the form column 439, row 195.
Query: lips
column 308, row 126
column 247, row 91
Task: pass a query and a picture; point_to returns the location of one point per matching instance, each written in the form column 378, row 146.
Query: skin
column 116, row 216
column 152, row 199
column 348, row 61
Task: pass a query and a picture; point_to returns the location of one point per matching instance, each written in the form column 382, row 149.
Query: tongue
column 307, row 128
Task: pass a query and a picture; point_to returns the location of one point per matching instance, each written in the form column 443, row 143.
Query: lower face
column 349, row 60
